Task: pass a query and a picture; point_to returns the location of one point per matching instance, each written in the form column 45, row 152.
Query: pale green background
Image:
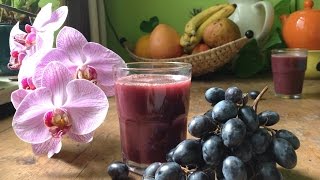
column 126, row 16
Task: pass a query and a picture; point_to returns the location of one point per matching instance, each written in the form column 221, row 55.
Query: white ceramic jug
column 255, row 15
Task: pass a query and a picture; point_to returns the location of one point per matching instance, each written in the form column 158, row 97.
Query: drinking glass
column 152, row 101
column 288, row 69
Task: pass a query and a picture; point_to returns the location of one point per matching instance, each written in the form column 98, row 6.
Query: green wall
column 126, row 16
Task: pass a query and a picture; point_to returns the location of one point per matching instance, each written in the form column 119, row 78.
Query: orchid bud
column 28, row 28
column 31, row 39
column 14, row 54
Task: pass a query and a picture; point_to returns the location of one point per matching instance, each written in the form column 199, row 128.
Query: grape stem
column 273, row 131
column 187, row 170
column 256, row 101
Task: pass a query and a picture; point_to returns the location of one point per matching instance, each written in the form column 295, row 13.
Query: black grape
column 188, row 153
column 234, row 169
column 268, row 171
column 268, row 118
column 201, row 125
column 213, row 150
column 249, row 117
column 210, row 173
column 170, row 154
column 284, row 153
column 224, row 110
column 233, row 132
column 198, row 175
column 233, row 144
column 290, row 137
column 150, row 171
column 267, row 156
column 233, row 94
column 118, row 170
column 148, row 178
column 208, row 113
column 250, row 169
column 243, row 151
column 260, row 140
column 214, row 95
column 253, row 94
column 170, row 171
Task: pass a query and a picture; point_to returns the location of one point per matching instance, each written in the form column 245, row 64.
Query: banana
column 193, row 24
column 190, row 41
column 185, row 40
column 223, row 13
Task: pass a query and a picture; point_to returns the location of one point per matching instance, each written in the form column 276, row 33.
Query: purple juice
column 288, row 73
column 152, row 113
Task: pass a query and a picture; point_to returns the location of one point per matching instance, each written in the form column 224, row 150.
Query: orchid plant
column 63, row 90
column 39, row 36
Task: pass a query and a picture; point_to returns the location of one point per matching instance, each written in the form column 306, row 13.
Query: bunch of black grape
column 232, row 142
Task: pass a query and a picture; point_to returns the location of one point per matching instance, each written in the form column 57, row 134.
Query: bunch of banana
column 194, row 28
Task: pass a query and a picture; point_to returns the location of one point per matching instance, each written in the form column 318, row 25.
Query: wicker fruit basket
column 203, row 62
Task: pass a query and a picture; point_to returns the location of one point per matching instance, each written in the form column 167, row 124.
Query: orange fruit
column 142, row 46
column 165, row 42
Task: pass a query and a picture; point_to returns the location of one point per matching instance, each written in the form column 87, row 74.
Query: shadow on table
column 308, row 95
column 90, row 159
column 293, row 174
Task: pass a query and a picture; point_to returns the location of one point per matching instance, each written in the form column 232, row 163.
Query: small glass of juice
column 152, row 101
column 288, row 70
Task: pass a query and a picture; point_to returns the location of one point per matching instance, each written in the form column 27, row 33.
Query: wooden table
column 89, row 161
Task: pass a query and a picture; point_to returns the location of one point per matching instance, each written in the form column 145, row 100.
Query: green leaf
column 274, row 38
column 30, row 2
column 154, row 21
column 283, row 7
column 55, row 3
column 250, row 60
column 195, row 11
column 145, row 27
column 18, row 4
column 148, row 26
column 6, row 2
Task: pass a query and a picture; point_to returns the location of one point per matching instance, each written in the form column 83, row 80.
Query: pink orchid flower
column 38, row 36
column 27, row 70
column 61, row 106
column 86, row 60
column 25, row 74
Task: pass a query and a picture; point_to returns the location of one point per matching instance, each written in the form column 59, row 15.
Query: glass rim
column 154, row 66
column 283, row 50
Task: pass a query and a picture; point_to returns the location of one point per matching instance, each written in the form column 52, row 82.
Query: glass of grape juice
column 288, row 69
column 152, row 101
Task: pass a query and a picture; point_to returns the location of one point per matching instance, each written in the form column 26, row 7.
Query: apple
column 200, row 48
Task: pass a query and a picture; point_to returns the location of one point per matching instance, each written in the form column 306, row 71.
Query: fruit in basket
column 142, row 46
column 164, row 42
column 221, row 32
column 200, row 48
column 189, row 39
column 195, row 22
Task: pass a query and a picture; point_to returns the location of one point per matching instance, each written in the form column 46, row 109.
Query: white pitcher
column 255, row 15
